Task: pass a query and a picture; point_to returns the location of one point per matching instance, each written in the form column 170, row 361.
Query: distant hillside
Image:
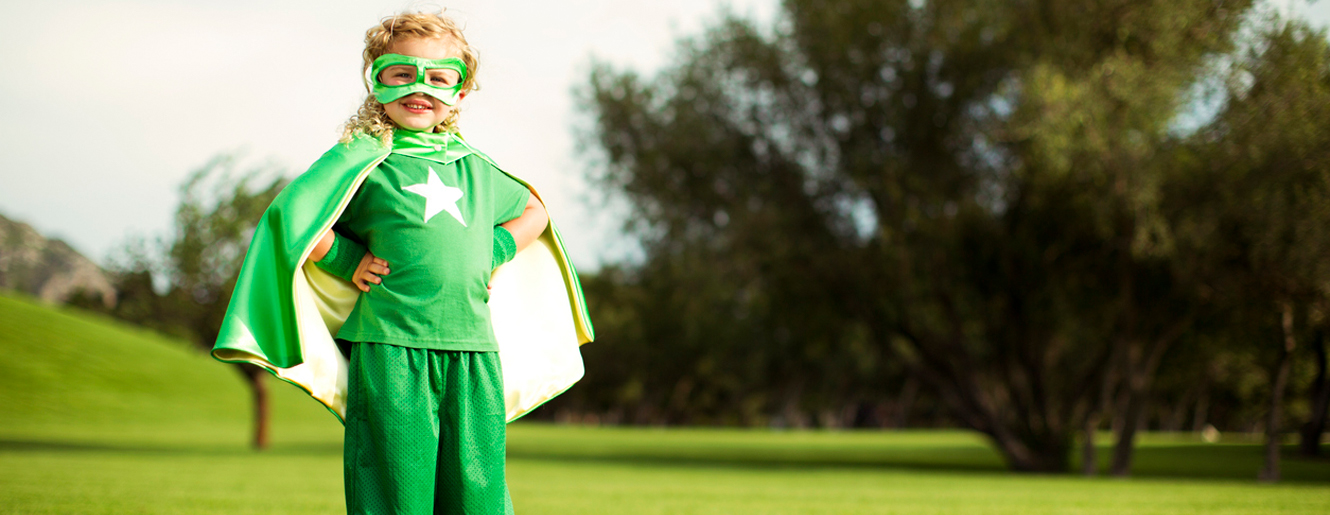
column 59, row 363
column 62, row 367
column 48, row 269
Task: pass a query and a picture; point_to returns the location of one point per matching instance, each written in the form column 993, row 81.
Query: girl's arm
column 527, row 227
column 367, row 272
column 321, row 249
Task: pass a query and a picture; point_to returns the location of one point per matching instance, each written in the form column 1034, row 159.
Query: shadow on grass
column 1186, row 462
column 1225, row 461
column 769, row 460
column 1239, row 462
column 8, row 445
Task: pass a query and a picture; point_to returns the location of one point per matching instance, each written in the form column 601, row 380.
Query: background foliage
column 1035, row 219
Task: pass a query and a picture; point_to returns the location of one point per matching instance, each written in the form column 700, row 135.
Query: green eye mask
column 394, row 76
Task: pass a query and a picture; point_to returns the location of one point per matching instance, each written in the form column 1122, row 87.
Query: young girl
column 389, row 243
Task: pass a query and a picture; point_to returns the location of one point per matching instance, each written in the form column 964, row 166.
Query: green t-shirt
column 434, row 224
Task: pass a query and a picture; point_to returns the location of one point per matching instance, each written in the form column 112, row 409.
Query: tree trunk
column 1271, row 471
column 1089, row 453
column 1048, row 454
column 905, row 404
column 944, row 367
column 1136, row 374
column 1310, row 444
column 1119, row 412
column 1051, row 457
column 1201, row 416
column 254, row 376
column 1178, row 415
column 1124, row 448
column 1137, row 377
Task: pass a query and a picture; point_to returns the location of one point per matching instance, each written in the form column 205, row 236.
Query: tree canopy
column 1001, row 203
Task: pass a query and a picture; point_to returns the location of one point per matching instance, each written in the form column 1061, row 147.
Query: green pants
column 425, row 432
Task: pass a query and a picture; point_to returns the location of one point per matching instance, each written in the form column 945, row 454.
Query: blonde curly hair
column 371, row 119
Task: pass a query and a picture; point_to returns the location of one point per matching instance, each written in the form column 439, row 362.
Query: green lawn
column 97, row 417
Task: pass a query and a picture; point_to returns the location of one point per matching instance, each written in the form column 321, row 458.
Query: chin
column 415, row 125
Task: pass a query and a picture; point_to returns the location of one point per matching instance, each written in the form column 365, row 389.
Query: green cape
column 285, row 310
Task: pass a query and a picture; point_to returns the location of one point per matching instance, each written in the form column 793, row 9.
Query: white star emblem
column 438, row 197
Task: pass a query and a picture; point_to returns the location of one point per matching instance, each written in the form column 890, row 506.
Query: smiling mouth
column 417, row 107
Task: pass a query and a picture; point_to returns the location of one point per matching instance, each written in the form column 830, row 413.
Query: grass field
column 97, row 417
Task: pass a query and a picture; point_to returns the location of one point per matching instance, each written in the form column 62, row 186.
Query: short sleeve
column 346, row 222
column 510, row 197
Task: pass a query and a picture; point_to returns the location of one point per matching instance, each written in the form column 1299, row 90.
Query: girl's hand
column 368, row 272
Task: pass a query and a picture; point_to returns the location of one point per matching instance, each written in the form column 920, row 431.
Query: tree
column 1314, row 427
column 1264, row 224
column 198, row 263
column 971, row 187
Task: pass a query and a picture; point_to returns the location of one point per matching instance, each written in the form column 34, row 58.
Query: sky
column 105, row 107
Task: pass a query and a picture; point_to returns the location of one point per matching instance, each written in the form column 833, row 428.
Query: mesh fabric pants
column 425, row 432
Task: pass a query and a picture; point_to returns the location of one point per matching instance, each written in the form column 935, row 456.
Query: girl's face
column 419, row 111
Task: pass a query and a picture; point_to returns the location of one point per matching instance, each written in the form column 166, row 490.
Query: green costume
column 424, row 432
column 285, row 311
column 434, row 225
column 425, row 427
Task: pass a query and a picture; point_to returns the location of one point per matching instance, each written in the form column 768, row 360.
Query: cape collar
column 440, row 147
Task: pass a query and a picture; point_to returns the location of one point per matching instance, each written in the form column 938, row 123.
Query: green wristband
column 343, row 257
column 505, row 247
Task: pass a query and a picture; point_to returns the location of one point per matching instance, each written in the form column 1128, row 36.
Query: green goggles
column 394, row 76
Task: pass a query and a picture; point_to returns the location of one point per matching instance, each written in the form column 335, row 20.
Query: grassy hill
column 67, row 374
column 97, row 417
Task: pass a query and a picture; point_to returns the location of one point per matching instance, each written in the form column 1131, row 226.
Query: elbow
column 542, row 218
column 322, row 247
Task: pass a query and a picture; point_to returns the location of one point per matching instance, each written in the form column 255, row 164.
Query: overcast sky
column 106, row 106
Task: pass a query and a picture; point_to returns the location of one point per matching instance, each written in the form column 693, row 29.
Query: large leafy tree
column 181, row 284
column 970, row 187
